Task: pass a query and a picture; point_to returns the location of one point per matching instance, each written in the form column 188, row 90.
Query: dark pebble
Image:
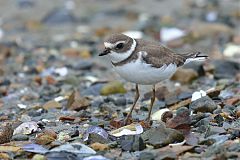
column 198, row 67
column 162, row 136
column 204, row 104
column 225, row 69
column 184, row 95
column 146, row 156
column 171, row 100
column 132, row 143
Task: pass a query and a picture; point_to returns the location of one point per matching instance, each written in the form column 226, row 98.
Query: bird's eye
column 119, row 46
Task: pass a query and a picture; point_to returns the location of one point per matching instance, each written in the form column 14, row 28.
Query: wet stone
column 204, row 104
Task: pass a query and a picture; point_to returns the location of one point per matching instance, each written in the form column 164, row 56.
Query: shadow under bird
column 144, row 62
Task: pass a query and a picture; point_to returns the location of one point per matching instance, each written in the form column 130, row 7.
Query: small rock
column 231, row 50
column 52, row 104
column 94, row 137
column 77, row 148
column 181, row 119
column 6, row 133
column 146, row 156
column 213, row 130
column 237, row 112
column 171, row 100
column 63, row 136
column 112, row 88
column 118, row 100
column 99, row 146
column 198, row 67
column 20, row 137
column 204, row 104
column 214, row 139
column 184, row 95
column 93, row 90
column 39, row 157
column 26, row 128
column 44, row 139
column 77, row 103
column 225, row 69
column 162, row 115
column 162, row 136
column 83, row 65
column 62, row 155
column 132, row 143
column 76, row 53
column 96, row 134
column 184, row 76
column 97, row 157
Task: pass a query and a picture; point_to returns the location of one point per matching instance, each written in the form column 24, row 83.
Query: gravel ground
column 60, row 100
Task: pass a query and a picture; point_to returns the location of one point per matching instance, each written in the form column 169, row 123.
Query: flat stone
column 162, row 136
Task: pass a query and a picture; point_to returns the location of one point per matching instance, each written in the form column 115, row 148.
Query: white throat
column 118, row 57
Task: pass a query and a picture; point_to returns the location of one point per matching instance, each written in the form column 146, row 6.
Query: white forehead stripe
column 108, row 45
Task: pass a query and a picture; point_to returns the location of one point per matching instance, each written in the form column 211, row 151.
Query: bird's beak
column 105, row 52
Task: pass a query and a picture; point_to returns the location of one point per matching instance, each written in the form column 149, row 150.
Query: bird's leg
column 151, row 104
column 134, row 103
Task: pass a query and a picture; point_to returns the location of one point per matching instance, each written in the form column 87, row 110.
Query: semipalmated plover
column 144, row 62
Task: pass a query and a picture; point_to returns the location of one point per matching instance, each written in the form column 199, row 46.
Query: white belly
column 141, row 73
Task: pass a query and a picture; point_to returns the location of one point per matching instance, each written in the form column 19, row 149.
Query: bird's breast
column 142, row 73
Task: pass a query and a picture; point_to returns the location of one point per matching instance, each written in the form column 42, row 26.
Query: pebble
column 162, row 136
column 20, row 137
column 204, row 104
column 185, row 76
column 118, row 100
column 132, row 143
column 146, row 156
column 52, row 104
column 113, row 87
column 99, row 146
column 225, row 69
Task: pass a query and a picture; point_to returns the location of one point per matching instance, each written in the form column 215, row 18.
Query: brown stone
column 185, row 76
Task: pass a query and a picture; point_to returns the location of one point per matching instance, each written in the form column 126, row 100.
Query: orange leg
column 134, row 104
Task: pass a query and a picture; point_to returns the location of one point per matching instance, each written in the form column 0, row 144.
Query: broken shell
column 162, row 115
